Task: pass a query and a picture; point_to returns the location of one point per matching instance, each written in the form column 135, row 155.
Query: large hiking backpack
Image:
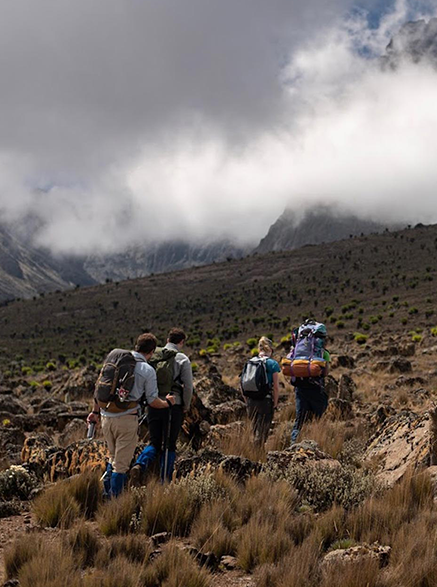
column 307, row 357
column 163, row 361
column 115, row 381
column 253, row 380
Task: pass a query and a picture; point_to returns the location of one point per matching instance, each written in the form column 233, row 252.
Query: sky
column 139, row 121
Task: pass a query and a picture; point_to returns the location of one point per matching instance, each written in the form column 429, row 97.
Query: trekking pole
column 167, row 442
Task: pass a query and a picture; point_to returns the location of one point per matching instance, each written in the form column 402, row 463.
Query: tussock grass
column 117, row 516
column 56, row 507
column 120, row 572
column 134, row 548
column 262, row 541
column 51, row 566
column 84, row 544
column 62, row 503
column 240, row 442
column 360, row 573
column 174, row 568
column 214, row 529
column 298, row 569
column 19, row 553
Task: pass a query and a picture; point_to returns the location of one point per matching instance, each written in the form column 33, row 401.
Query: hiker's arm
column 275, row 389
column 94, row 416
column 160, row 404
column 186, row 377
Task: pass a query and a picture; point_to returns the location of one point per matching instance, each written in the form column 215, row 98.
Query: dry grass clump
column 51, row 566
column 360, row 573
column 19, row 553
column 65, row 501
column 380, row 517
column 134, row 548
column 118, row 516
column 84, row 544
column 120, row 572
column 299, row 568
column 262, row 541
column 240, row 442
column 213, row 529
column 56, row 507
column 174, row 568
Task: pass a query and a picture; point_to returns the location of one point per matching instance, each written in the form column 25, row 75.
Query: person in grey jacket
column 162, row 438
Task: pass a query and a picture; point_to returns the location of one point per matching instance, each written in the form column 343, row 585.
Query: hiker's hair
column 265, row 345
column 146, row 343
column 176, row 335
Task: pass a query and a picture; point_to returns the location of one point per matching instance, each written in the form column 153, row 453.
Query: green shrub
column 252, row 342
column 416, row 338
column 194, row 367
column 360, row 338
column 26, row 370
column 340, row 324
column 47, row 384
column 413, row 311
column 34, row 384
column 50, row 366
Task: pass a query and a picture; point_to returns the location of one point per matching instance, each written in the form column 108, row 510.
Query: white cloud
column 204, row 119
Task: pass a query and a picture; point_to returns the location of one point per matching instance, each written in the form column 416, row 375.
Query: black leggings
column 157, row 421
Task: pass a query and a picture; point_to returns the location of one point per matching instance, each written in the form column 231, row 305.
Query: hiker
column 309, row 367
column 263, row 399
column 120, row 428
column 174, row 375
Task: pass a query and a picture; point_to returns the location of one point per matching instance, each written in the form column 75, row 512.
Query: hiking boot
column 136, row 476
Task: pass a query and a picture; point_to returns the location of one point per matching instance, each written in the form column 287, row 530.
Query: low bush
column 16, row 482
column 56, row 507
column 360, row 338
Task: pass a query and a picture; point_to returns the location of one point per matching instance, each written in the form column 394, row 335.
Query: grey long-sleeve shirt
column 183, row 374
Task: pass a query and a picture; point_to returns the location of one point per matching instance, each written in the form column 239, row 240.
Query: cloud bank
column 126, row 122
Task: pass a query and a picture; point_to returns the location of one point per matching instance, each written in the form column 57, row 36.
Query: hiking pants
column 157, row 421
column 311, row 401
column 260, row 412
column 121, row 435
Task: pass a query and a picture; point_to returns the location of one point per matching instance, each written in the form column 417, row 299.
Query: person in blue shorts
column 260, row 411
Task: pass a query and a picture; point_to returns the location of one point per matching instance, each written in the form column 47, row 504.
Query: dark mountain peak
column 320, row 225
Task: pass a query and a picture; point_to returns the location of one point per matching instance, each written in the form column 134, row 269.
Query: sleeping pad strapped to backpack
column 307, row 357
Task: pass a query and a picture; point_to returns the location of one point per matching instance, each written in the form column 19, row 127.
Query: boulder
column 402, row 442
column 357, row 555
column 400, row 365
column 11, row 405
column 11, row 442
column 339, row 409
column 80, row 384
column 74, row 431
column 346, row 388
column 228, row 412
column 304, row 452
column 213, row 391
column 239, row 467
column 345, row 361
column 196, row 423
column 331, row 386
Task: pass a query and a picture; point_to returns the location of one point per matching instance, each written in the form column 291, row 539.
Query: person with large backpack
column 124, row 380
column 260, row 387
column 175, row 377
column 308, row 366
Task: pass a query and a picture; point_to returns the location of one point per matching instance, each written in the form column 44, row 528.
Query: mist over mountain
column 323, row 225
column 416, row 41
column 159, row 258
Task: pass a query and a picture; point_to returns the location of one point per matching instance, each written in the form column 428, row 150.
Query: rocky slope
column 323, row 225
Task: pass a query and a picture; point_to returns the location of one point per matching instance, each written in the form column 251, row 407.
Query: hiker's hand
column 93, row 418
column 170, row 398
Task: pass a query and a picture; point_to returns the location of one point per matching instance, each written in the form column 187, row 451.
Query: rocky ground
column 381, row 409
